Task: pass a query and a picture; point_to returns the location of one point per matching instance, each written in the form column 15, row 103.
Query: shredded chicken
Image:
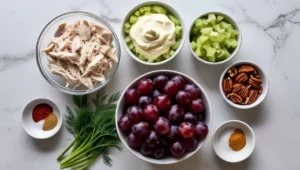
column 81, row 53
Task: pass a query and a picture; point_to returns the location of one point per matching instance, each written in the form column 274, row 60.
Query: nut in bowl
column 153, row 33
column 163, row 117
column 243, row 85
column 78, row 53
column 214, row 38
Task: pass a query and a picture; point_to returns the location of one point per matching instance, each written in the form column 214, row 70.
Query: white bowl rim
column 59, row 122
column 153, row 2
column 265, row 82
column 159, row 161
column 242, row 124
column 69, row 90
column 239, row 39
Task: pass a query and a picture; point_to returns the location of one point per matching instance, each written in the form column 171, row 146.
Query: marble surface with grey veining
column 271, row 33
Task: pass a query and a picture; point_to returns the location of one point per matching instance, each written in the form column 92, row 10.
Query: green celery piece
column 200, row 52
column 172, row 53
column 130, row 45
column 148, row 13
column 206, row 30
column 133, row 50
column 159, row 9
column 225, row 25
column 232, row 31
column 142, row 11
column 178, row 29
column 193, row 45
column 216, row 45
column 219, row 55
column 217, row 27
column 174, row 19
column 133, row 19
column 207, row 45
column 166, row 55
column 211, row 19
column 127, row 25
column 127, row 39
column 227, row 35
column 137, row 13
column 210, row 52
column 217, row 37
column 147, row 9
column 226, row 53
column 150, row 60
column 211, row 58
column 214, row 34
column 176, row 45
column 220, row 18
column 159, row 59
column 195, row 38
column 198, row 23
column 127, row 31
column 142, row 57
column 231, row 43
column 195, row 30
column 202, row 39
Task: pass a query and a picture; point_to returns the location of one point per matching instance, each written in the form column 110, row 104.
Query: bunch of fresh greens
column 93, row 126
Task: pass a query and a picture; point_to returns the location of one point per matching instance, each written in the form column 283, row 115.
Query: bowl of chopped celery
column 153, row 33
column 214, row 38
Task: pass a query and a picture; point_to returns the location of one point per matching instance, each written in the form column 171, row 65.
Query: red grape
column 133, row 141
column 146, row 150
column 186, row 130
column 171, row 88
column 190, row 117
column 162, row 102
column 141, row 129
column 156, row 93
column 160, row 81
column 132, row 96
column 177, row 149
column 162, row 126
column 135, row 114
column 179, row 80
column 153, row 139
column 201, row 130
column 144, row 100
column 159, row 152
column 193, row 90
column 145, row 86
column 183, row 98
column 197, row 106
column 173, row 135
column 124, row 123
column 190, row 144
column 175, row 114
column 151, row 113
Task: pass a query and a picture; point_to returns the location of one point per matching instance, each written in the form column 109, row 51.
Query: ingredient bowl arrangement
column 163, row 117
column 78, row 53
column 153, row 33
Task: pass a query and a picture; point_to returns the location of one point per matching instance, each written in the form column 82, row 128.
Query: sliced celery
column 193, row 45
column 174, row 19
column 176, row 45
column 160, row 58
column 127, row 39
column 142, row 11
column 147, row 9
column 133, row 19
column 211, row 19
column 130, row 45
column 172, row 53
column 159, row 9
column 206, row 30
column 137, row 13
column 166, row 55
column 220, row 18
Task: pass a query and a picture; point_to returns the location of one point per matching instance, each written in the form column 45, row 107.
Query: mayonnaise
column 153, row 35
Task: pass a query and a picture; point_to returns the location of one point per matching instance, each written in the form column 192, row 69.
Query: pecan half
column 246, row 100
column 247, row 69
column 236, row 88
column 227, row 85
column 253, row 95
column 256, row 79
column 235, row 98
column 241, row 78
column 244, row 91
column 233, row 72
column 254, row 83
column 260, row 90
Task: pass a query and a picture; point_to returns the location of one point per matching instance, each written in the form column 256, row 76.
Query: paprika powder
column 41, row 111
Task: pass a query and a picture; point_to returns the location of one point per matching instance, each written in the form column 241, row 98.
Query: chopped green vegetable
column 131, row 45
column 147, row 9
column 211, row 19
column 159, row 9
column 176, row 45
column 220, row 18
column 127, row 39
column 160, row 58
column 127, row 25
column 193, row 45
column 206, row 30
column 142, row 11
column 133, row 19
column 174, row 19
column 172, row 53
column 137, row 13
column 166, row 55
column 142, row 57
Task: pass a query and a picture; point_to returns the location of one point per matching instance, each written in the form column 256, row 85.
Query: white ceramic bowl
column 221, row 141
column 169, row 8
column 167, row 160
column 35, row 129
column 265, row 85
column 230, row 20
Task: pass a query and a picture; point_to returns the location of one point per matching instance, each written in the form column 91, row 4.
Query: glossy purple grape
column 145, row 86
column 153, row 139
column 135, row 114
column 197, row 106
column 190, row 117
column 159, row 152
column 177, row 149
column 173, row 134
column 183, row 98
column 124, row 123
column 151, row 113
column 194, row 91
column 162, row 126
column 156, row 93
column 160, row 81
column 201, row 130
column 132, row 96
column 163, row 102
column 171, row 88
column 141, row 129
column 186, row 130
column 179, row 80
column 146, row 150
column 145, row 100
column 133, row 141
column 190, row 144
column 175, row 114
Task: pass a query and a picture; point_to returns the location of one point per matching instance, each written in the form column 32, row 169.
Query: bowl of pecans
column 243, row 85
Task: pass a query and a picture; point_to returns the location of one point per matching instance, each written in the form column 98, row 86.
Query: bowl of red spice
column 41, row 118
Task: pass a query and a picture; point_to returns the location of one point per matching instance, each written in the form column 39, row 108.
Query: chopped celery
column 225, row 25
column 200, row 52
column 127, row 39
column 211, row 19
column 150, row 61
column 206, row 30
column 147, row 9
column 127, row 31
column 193, row 45
column 198, row 23
column 231, row 43
column 133, row 19
column 226, row 53
column 211, row 58
column 142, row 11
column 202, row 39
column 210, row 51
column 172, row 53
column 142, row 57
column 131, row 45
column 227, row 35
column 148, row 13
column 166, row 55
column 174, row 19
column 133, row 50
column 178, row 29
column 176, row 45
column 220, row 18
column 216, row 45
column 219, row 55
column 127, row 25
column 195, row 38
column 137, row 13
column 159, row 9
column 160, row 58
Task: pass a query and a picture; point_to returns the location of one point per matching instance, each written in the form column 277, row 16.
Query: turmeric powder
column 237, row 140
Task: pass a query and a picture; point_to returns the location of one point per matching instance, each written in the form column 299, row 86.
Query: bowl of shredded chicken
column 78, row 53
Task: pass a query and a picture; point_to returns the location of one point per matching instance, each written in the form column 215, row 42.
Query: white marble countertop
column 271, row 32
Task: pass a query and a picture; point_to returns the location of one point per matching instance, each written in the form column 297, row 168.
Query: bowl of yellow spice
column 234, row 141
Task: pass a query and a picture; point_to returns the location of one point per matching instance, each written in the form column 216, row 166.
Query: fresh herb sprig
column 93, row 126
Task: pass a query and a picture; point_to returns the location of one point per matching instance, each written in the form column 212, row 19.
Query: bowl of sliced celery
column 153, row 33
column 214, row 38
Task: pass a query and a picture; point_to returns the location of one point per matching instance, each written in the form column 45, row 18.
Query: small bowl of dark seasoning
column 41, row 118
column 243, row 85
